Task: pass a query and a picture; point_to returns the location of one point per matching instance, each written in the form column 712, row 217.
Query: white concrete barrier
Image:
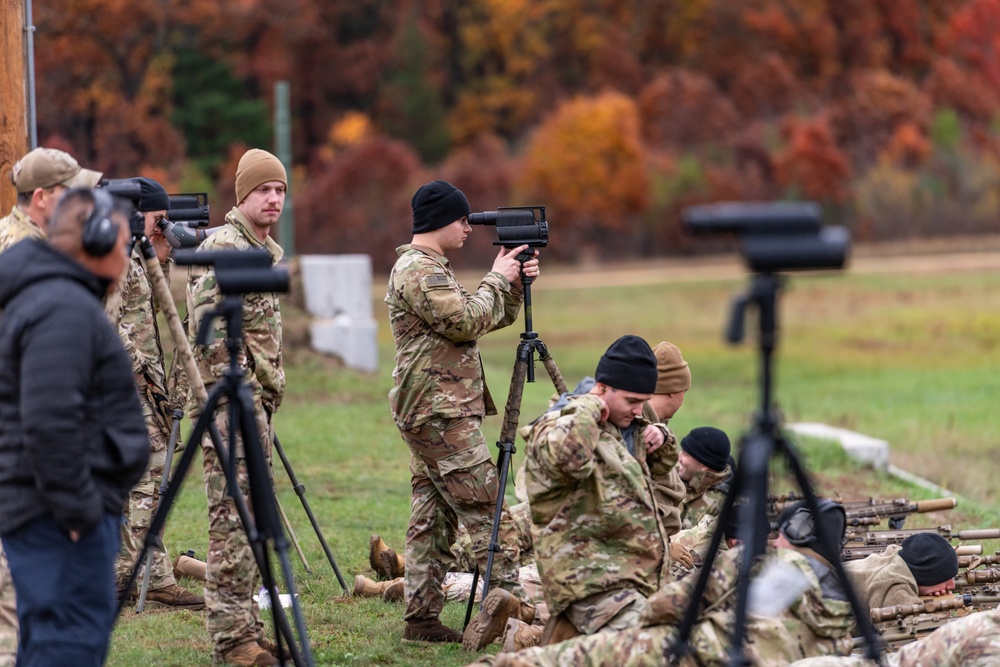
column 338, row 292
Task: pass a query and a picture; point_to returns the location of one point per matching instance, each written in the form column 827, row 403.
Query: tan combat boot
column 248, row 654
column 176, row 597
column 519, row 635
column 393, row 565
column 365, row 587
column 394, row 592
column 375, row 548
column 489, row 624
column 187, row 565
column 430, row 630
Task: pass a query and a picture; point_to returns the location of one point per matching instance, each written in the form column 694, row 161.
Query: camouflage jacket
column 595, row 525
column 435, row 323
column 883, row 580
column 812, row 620
column 135, row 321
column 668, row 487
column 706, row 491
column 18, row 226
column 261, row 354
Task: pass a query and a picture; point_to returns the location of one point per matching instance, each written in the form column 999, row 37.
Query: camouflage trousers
column 970, row 641
column 458, row 585
column 231, row 580
column 465, row 558
column 452, row 479
column 634, row 647
column 8, row 614
column 140, row 508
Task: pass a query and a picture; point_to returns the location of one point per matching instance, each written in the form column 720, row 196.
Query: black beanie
column 152, row 196
column 930, row 557
column 709, row 446
column 437, row 204
column 629, row 365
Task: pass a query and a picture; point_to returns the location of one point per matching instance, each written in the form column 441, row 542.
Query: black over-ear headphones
column 99, row 231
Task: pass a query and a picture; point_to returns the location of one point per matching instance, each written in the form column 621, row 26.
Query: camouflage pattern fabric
column 811, row 625
column 453, row 479
column 8, row 615
column 595, row 525
column 261, row 355
column 438, row 400
column 883, row 579
column 458, row 585
column 435, row 323
column 135, row 320
column 970, row 641
column 231, row 577
column 465, row 557
column 17, row 227
column 233, row 616
column 13, row 228
column 668, row 487
column 706, row 492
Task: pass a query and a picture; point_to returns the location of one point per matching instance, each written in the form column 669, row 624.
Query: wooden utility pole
column 13, row 110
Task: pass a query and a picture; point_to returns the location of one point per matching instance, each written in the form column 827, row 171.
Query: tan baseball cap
column 48, row 167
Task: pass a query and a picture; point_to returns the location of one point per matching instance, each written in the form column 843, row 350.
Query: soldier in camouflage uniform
column 970, row 641
column 134, row 317
column 599, row 540
column 438, row 401
column 233, row 618
column 704, row 465
column 796, row 608
column 40, row 178
column 924, row 564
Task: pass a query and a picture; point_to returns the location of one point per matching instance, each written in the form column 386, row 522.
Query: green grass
column 906, row 358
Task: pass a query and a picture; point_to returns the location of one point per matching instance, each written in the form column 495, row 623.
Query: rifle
column 902, row 624
column 975, row 560
column 886, row 537
column 857, row 552
column 895, row 510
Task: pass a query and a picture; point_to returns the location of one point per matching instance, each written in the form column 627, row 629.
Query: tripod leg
column 861, row 616
column 300, row 491
column 291, row 535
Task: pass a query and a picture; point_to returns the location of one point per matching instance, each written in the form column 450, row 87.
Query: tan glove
column 680, row 554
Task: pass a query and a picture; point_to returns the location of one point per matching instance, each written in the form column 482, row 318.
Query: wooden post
column 13, row 111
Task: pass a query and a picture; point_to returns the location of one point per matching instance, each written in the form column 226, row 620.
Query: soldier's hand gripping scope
column 187, row 220
column 516, row 225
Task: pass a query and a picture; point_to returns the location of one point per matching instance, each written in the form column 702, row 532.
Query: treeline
column 614, row 113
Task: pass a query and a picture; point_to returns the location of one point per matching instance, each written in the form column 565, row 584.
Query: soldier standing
column 438, row 402
column 233, row 618
column 40, row 178
column 135, row 318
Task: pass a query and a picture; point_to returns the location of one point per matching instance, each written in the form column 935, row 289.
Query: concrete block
column 860, row 447
column 353, row 340
column 335, row 285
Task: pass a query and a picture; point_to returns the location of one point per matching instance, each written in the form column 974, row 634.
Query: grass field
column 905, row 357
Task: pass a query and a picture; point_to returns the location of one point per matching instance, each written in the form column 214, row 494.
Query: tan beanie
column 672, row 372
column 256, row 167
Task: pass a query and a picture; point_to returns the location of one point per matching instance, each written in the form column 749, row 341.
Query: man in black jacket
column 73, row 440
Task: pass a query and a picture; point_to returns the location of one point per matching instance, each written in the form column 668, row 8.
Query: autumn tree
column 586, row 161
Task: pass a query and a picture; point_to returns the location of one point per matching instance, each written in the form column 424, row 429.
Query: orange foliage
column 909, row 147
column 975, row 34
column 812, row 164
column 586, row 161
column 951, row 86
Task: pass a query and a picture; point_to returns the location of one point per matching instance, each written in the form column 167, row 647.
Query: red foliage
column 359, row 202
column 812, row 164
column 683, row 109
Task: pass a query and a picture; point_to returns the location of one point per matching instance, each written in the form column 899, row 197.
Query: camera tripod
column 263, row 526
column 750, row 483
column 524, row 369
